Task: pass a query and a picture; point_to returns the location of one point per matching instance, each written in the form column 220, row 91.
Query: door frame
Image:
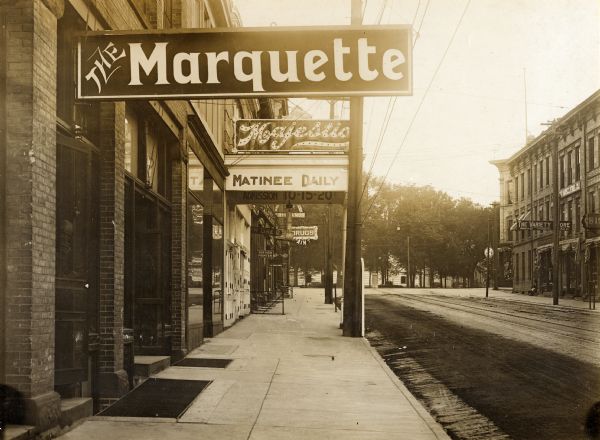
column 88, row 281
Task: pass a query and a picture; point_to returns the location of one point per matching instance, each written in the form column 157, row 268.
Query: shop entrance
column 77, row 232
column 147, row 270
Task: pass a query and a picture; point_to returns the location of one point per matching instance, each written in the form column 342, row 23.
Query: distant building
column 527, row 199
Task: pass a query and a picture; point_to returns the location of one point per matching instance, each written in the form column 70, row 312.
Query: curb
column 434, row 426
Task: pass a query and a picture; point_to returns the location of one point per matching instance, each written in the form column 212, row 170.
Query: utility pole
column 553, row 137
column 408, row 278
column 328, row 257
column 352, row 325
column 495, row 239
column 487, row 258
column 556, row 221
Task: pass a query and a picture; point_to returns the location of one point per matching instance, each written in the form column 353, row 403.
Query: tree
column 447, row 236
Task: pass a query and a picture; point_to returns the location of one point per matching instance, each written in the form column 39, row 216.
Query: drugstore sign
column 237, row 62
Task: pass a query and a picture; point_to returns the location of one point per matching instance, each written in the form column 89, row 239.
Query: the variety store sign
column 242, row 62
column 542, row 225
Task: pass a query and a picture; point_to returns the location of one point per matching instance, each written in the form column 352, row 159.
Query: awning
column 523, row 216
column 570, row 244
column 592, row 240
column 544, row 248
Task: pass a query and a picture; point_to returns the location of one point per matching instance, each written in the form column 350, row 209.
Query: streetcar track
column 487, row 312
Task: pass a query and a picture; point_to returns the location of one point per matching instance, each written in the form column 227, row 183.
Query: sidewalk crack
column 264, row 398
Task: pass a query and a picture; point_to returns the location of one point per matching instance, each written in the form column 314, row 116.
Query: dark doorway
column 77, row 232
column 147, row 269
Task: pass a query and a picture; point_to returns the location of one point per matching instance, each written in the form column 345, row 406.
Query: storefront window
column 195, row 251
column 71, row 220
column 131, row 141
column 152, row 275
column 147, row 231
column 217, row 271
column 152, row 177
column 217, row 255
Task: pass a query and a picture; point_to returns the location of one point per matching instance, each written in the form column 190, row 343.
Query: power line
column 435, row 73
column 390, row 107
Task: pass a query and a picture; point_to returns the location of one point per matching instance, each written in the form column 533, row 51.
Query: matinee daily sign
column 236, row 62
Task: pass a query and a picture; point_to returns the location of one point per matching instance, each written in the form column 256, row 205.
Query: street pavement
column 479, row 292
column 507, row 366
column 293, row 376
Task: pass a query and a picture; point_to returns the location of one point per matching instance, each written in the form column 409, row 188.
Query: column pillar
column 207, row 260
column 179, row 184
column 29, row 234
column 112, row 378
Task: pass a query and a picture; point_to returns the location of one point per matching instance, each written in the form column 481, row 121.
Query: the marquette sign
column 332, row 61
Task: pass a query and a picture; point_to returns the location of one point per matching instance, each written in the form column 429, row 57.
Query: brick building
column 117, row 239
column 527, row 194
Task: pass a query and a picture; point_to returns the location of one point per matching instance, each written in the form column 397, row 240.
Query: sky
column 511, row 66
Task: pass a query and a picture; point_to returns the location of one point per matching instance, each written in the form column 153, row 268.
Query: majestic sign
column 283, row 197
column 272, row 135
column 237, row 62
column 542, row 225
column 291, row 179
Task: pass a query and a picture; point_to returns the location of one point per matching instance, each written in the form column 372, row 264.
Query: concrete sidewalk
column 293, row 376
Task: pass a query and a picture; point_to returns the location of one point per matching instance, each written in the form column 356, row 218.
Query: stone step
column 18, row 432
column 74, row 409
column 146, row 366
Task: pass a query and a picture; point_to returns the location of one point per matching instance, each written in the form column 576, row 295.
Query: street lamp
column 407, row 258
column 495, row 243
column 489, row 253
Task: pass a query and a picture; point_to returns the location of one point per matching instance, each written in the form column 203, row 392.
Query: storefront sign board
column 285, row 135
column 284, row 197
column 270, row 178
column 245, row 62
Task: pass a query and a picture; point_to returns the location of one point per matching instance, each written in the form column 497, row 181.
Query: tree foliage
column 447, row 236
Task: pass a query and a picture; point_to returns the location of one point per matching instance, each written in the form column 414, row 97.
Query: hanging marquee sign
column 290, row 179
column 238, row 62
column 283, row 197
column 285, row 135
column 303, row 234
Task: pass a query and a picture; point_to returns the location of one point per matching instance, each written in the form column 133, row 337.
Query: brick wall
column 178, row 256
column 31, row 204
column 112, row 382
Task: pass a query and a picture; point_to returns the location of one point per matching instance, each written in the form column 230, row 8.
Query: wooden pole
column 352, row 325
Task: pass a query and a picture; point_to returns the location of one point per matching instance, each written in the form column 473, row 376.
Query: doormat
column 157, row 398
column 203, row 362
